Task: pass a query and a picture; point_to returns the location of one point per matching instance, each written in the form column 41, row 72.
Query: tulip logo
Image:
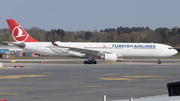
column 19, row 34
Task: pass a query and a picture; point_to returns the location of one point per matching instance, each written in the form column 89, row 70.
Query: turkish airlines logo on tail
column 19, row 34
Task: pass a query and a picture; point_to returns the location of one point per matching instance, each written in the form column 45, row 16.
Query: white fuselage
column 145, row 50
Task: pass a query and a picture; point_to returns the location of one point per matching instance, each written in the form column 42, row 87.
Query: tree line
column 120, row 34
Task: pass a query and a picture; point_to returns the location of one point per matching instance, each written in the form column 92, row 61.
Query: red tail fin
column 18, row 33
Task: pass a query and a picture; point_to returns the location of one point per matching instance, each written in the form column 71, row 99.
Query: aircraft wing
column 81, row 50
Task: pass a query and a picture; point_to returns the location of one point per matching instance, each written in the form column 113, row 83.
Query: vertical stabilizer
column 18, row 33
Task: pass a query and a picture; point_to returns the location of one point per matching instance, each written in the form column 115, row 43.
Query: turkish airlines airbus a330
column 89, row 50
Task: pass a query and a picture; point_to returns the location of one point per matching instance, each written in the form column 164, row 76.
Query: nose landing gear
column 159, row 61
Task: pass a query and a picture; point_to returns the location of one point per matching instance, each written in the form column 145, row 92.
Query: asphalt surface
column 82, row 60
column 79, row 82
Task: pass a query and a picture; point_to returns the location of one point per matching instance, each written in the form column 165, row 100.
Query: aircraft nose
column 175, row 51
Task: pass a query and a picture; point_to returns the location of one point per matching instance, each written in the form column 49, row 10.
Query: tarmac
column 79, row 82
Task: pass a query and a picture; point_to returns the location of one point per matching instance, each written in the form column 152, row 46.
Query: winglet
column 54, row 44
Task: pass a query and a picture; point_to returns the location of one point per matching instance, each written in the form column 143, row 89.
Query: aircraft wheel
column 94, row 62
column 159, row 62
column 90, row 62
column 85, row 62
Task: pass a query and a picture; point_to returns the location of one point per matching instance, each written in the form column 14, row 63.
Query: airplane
column 89, row 50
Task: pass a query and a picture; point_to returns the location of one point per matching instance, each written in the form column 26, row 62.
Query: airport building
column 9, row 51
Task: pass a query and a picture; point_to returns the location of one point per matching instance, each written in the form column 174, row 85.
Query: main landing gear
column 90, row 62
column 159, row 61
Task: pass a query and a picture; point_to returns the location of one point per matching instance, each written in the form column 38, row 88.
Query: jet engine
column 109, row 57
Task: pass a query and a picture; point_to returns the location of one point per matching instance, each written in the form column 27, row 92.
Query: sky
column 77, row 15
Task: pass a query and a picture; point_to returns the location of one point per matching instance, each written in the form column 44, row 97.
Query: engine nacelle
column 109, row 57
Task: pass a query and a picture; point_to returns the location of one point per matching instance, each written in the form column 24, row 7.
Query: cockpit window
column 170, row 48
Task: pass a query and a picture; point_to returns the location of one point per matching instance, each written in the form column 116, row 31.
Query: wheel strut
column 159, row 61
